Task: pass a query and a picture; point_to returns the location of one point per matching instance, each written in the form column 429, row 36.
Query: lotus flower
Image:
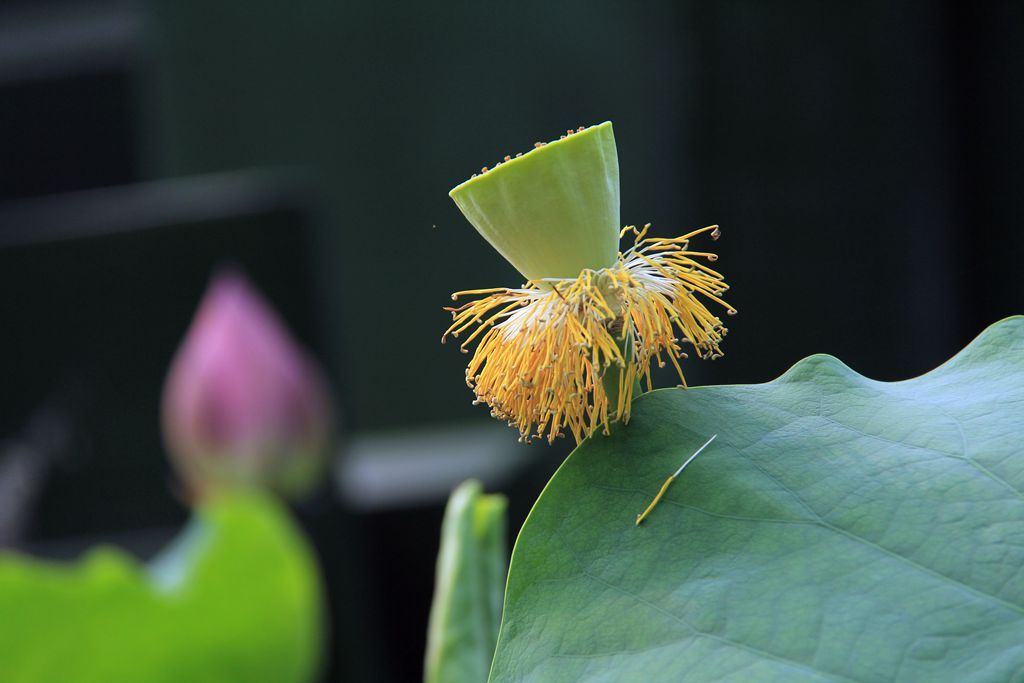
column 565, row 352
column 244, row 405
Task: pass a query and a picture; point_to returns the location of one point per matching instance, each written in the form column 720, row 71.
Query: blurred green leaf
column 470, row 582
column 236, row 598
column 839, row 529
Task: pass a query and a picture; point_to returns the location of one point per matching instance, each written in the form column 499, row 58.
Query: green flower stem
column 610, row 379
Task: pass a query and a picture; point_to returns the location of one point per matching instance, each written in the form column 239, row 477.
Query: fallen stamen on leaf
column 668, row 482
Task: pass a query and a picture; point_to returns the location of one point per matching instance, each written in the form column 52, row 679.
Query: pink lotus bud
column 244, row 405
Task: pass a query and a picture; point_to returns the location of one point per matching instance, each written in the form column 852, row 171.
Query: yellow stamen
column 542, row 350
column 668, row 482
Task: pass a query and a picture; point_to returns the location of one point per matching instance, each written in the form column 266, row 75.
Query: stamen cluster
column 550, row 353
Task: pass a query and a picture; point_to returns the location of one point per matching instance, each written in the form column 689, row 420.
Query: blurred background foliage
column 235, row 597
column 864, row 160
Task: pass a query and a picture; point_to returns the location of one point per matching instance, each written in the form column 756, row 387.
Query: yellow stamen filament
column 543, row 349
column 668, row 482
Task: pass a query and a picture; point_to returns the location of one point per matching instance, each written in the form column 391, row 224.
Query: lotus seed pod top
column 554, row 211
column 244, row 406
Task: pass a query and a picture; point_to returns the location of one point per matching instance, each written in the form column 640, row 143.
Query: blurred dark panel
column 845, row 150
column 985, row 55
column 68, row 104
column 67, row 134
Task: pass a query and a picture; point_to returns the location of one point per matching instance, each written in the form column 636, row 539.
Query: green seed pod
column 554, row 211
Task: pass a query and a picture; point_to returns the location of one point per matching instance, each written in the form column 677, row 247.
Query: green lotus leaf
column 838, row 529
column 236, row 598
